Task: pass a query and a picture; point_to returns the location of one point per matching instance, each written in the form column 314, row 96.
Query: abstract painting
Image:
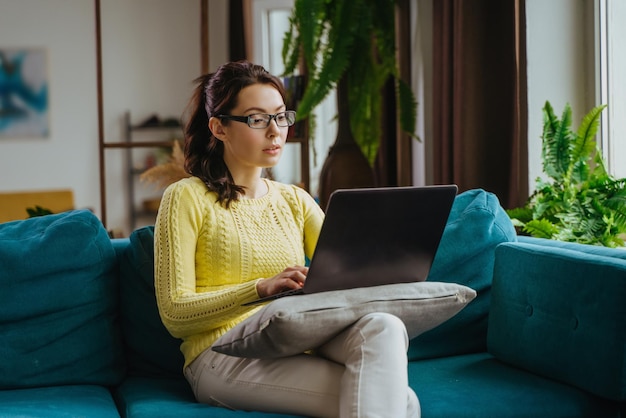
column 23, row 93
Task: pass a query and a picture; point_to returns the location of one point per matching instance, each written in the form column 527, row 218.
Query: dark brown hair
column 217, row 94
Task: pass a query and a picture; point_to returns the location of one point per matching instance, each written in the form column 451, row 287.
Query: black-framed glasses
column 262, row 120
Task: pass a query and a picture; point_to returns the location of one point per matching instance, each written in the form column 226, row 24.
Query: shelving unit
column 134, row 209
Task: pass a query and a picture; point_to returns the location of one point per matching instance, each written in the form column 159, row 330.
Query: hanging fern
column 581, row 202
column 353, row 39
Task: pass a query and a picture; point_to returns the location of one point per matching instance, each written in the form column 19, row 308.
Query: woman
column 226, row 236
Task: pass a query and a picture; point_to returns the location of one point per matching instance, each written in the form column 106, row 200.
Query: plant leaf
column 550, row 126
column 557, row 137
column 523, row 215
column 617, row 203
column 584, row 145
column 540, row 228
column 408, row 109
column 328, row 60
column 291, row 48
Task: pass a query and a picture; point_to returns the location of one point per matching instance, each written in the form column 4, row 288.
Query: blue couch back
column 58, row 303
column 150, row 349
column 476, row 226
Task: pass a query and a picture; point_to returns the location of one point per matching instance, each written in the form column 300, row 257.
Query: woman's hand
column 288, row 279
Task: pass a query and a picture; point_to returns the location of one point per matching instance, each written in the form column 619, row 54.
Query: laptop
column 377, row 236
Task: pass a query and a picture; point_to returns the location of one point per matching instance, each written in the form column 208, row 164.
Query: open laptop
column 377, row 236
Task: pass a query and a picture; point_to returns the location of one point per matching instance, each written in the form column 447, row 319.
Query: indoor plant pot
column 345, row 165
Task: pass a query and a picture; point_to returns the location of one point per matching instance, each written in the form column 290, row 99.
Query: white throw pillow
column 295, row 324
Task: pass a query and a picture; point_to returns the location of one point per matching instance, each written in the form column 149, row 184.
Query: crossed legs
column 361, row 372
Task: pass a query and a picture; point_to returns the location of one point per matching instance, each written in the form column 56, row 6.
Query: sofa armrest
column 574, row 246
column 561, row 313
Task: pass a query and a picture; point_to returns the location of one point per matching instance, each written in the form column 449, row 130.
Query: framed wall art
column 23, row 93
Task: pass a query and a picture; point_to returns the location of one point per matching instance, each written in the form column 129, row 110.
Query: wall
column 150, row 56
column 218, row 30
column 613, row 88
column 68, row 157
column 560, row 66
column 151, row 53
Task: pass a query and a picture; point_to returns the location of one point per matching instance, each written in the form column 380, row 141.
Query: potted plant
column 348, row 44
column 581, row 202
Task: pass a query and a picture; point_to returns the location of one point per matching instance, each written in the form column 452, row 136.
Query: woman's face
column 247, row 148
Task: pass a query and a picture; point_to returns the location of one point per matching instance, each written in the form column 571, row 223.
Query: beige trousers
column 361, row 373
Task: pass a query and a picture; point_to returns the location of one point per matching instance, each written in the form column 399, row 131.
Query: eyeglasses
column 262, row 120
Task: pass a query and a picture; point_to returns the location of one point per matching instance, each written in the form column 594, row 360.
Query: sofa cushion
column 480, row 386
column 150, row 349
column 293, row 325
column 58, row 304
column 560, row 313
column 476, row 225
column 58, row 402
column 140, row 397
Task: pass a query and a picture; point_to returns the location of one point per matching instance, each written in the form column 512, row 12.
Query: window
column 611, row 83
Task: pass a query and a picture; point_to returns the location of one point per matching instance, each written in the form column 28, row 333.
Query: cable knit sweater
column 208, row 258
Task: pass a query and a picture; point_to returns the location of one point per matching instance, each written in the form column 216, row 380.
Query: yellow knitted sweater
column 208, row 258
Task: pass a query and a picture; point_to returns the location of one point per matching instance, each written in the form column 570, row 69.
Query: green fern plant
column 581, row 202
column 353, row 39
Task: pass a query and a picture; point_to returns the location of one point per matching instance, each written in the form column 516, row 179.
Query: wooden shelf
column 134, row 208
column 143, row 144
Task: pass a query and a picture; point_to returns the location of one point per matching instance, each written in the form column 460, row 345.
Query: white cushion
column 295, row 324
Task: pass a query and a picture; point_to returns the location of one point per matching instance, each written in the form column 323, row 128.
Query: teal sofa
column 80, row 334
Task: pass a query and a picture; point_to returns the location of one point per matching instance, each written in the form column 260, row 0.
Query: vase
column 345, row 167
